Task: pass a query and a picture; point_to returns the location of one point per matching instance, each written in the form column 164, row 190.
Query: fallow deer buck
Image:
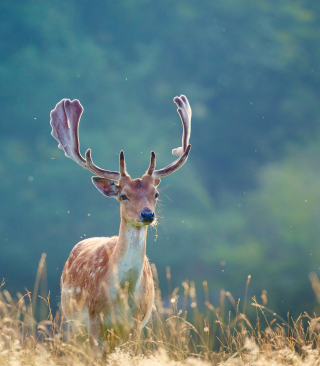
column 99, row 269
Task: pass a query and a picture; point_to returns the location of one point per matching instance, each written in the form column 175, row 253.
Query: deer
column 100, row 270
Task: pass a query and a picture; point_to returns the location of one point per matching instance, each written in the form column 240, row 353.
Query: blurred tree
column 273, row 232
column 250, row 71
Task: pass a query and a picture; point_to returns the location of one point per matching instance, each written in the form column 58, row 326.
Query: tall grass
column 178, row 334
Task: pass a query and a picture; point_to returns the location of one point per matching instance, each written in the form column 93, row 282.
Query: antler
column 185, row 113
column 64, row 120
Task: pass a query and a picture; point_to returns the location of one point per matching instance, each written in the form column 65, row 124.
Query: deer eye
column 123, row 197
column 156, row 195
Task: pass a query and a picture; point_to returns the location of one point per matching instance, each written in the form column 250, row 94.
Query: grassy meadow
column 182, row 333
column 246, row 202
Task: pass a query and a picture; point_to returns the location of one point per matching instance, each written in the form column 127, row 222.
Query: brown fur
column 93, row 256
column 89, row 278
column 99, row 270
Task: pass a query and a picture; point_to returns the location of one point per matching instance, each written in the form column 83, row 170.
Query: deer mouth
column 148, row 221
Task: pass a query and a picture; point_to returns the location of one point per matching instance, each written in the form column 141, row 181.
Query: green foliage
column 274, row 231
column 247, row 201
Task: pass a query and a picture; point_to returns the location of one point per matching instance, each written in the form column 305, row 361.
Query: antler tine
column 64, row 120
column 152, row 163
column 122, row 165
column 185, row 114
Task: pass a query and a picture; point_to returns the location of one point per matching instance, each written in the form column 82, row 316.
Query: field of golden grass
column 174, row 336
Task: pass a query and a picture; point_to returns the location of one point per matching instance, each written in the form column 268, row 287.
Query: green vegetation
column 248, row 200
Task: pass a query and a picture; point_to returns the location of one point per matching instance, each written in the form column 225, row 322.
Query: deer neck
column 132, row 238
column 130, row 253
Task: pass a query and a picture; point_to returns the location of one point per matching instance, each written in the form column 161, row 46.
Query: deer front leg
column 136, row 331
column 93, row 333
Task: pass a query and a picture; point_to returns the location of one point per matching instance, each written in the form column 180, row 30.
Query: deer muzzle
column 147, row 215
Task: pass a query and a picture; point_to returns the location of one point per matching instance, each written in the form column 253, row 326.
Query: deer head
column 138, row 197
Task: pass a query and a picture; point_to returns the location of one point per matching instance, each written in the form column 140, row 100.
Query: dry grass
column 174, row 337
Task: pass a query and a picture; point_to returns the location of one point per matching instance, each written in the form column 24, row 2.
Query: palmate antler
column 65, row 119
column 185, row 113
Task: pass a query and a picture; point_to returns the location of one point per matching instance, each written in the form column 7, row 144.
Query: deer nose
column 147, row 215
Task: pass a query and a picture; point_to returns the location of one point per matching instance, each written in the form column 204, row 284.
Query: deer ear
column 106, row 186
column 157, row 182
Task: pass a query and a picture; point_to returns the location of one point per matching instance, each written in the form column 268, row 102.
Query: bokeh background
column 248, row 200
